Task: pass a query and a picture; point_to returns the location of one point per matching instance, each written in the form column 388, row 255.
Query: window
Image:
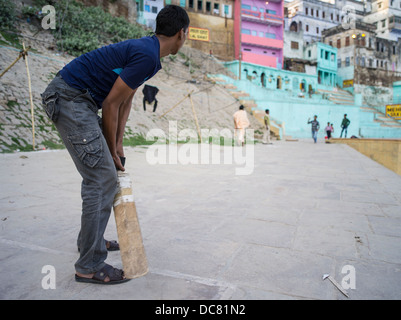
column 245, row 31
column 254, row 33
column 311, row 12
column 190, row 3
column 338, row 17
column 317, row 13
column 338, row 63
column 331, row 16
column 271, row 11
column 226, row 10
column 200, row 3
column 306, row 28
column 154, row 9
column 309, row 53
column 347, row 61
column 338, row 43
column 216, row 8
column 384, row 23
column 270, row 35
column 330, row 43
column 208, row 6
column 182, row 3
column 246, row 6
column 323, row 14
column 347, row 41
column 317, row 30
column 261, row 34
column 306, row 11
column 294, row 45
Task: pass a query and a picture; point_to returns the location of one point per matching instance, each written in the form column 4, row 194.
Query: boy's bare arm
column 115, row 113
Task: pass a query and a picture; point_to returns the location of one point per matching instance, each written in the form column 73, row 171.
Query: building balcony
column 394, row 23
column 261, row 17
column 261, row 42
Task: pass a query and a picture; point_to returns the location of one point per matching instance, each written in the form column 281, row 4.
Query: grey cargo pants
column 74, row 113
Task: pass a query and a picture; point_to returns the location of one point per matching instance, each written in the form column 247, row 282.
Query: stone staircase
column 381, row 119
column 337, row 96
column 251, row 106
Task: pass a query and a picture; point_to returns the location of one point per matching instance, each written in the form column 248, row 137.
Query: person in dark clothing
column 344, row 125
column 106, row 78
column 149, row 95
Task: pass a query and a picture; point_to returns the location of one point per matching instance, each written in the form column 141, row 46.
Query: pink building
column 258, row 32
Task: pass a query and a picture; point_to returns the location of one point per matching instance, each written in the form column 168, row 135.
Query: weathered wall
column 221, row 33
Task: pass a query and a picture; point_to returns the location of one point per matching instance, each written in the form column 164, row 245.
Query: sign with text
column 348, row 83
column 393, row 111
column 199, row 34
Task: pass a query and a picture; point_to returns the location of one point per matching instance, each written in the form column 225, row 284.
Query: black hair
column 241, row 107
column 267, row 110
column 170, row 20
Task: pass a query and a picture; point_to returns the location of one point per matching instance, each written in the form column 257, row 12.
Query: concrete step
column 238, row 94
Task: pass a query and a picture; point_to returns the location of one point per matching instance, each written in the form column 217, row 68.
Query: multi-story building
column 325, row 57
column 314, row 16
column 363, row 58
column 211, row 28
column 147, row 11
column 258, row 32
column 386, row 16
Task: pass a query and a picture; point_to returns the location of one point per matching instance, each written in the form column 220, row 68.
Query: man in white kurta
column 241, row 122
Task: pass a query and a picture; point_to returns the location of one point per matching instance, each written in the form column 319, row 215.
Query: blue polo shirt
column 135, row 61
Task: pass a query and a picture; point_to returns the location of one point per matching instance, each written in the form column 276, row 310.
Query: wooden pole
column 16, row 60
column 175, row 105
column 30, row 94
column 196, row 118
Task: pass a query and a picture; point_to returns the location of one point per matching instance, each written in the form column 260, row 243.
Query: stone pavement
column 305, row 210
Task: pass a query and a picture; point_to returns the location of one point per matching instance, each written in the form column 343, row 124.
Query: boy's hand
column 118, row 163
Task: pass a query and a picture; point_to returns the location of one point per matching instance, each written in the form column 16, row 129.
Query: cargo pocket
column 50, row 105
column 88, row 147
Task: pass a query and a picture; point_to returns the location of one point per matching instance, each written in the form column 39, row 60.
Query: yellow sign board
column 393, row 111
column 348, row 83
column 198, row 34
